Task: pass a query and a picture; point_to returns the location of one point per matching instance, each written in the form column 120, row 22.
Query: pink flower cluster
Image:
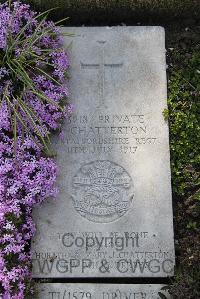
column 27, row 176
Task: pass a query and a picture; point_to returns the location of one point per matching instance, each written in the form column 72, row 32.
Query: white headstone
column 113, row 216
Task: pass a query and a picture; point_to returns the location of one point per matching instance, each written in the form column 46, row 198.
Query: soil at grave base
column 114, row 12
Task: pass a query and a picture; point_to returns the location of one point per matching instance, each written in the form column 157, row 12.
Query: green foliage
column 192, row 225
column 184, row 122
column 17, row 221
column 186, row 285
column 166, row 114
column 184, row 119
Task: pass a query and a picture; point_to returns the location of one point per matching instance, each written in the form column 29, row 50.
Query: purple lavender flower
column 27, row 176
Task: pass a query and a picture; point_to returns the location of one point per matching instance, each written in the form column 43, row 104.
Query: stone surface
column 113, row 216
column 98, row 291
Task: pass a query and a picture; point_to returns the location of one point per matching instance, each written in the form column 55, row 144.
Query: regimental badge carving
column 102, row 191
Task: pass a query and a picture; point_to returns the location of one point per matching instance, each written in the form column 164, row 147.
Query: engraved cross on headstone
column 101, row 66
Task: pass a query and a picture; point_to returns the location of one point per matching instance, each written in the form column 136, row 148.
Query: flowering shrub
column 33, row 69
